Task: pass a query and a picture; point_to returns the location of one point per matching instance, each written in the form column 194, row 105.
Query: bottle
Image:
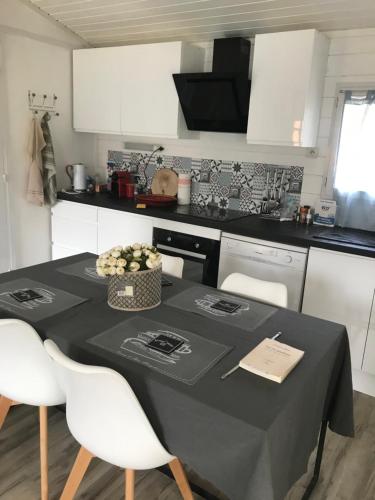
column 303, row 213
column 183, row 189
column 309, row 217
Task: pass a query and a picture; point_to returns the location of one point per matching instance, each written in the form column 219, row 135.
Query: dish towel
column 35, row 192
column 49, row 163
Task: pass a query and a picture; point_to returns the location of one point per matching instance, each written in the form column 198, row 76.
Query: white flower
column 137, row 253
column 112, row 270
column 121, row 262
column 137, row 246
column 112, row 261
column 120, row 270
column 153, row 256
column 134, row 266
column 104, row 255
column 146, row 251
column 101, row 271
column 150, row 264
column 116, row 254
column 119, row 248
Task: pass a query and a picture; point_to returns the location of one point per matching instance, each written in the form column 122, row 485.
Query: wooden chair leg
column 129, row 484
column 5, row 404
column 181, row 479
column 43, row 429
column 79, row 469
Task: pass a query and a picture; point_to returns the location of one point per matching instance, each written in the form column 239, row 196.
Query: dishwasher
column 267, row 261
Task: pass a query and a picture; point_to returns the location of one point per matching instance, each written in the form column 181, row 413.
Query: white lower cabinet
column 59, row 252
column 122, row 228
column 74, row 229
column 368, row 365
column 340, row 287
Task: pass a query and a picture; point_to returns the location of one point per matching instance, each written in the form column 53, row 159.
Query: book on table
column 272, row 360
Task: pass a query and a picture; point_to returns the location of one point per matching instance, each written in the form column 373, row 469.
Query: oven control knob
column 169, row 239
column 288, row 259
column 196, row 245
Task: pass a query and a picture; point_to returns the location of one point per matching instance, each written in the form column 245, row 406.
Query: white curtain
column 354, row 183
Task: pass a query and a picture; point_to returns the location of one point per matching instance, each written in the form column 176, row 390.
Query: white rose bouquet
column 133, row 258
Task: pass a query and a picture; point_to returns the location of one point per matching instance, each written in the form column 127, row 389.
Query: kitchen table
column 248, row 436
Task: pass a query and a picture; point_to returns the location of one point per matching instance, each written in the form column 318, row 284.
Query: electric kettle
column 77, row 175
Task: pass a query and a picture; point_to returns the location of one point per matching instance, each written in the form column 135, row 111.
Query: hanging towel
column 35, row 176
column 49, row 163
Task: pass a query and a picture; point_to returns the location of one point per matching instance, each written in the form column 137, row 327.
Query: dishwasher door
column 284, row 265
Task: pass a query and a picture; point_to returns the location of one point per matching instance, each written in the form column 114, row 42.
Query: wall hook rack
column 43, row 103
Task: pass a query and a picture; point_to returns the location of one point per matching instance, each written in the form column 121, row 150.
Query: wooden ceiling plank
column 118, row 26
column 169, row 17
column 323, row 25
column 248, row 21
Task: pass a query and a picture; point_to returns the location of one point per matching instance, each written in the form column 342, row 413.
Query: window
column 352, row 177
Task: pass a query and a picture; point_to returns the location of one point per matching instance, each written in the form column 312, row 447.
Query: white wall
column 351, row 59
column 36, row 56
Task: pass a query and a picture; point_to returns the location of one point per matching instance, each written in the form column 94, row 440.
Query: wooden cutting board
column 165, row 182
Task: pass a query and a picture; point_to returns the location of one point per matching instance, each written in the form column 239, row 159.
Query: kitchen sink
column 361, row 240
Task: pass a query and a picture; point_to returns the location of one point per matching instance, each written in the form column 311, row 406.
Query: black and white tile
column 235, row 185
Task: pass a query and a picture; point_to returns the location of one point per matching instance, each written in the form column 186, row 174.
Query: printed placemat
column 179, row 354
column 85, row 269
column 214, row 304
column 34, row 301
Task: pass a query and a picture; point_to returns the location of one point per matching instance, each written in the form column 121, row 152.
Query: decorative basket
column 136, row 291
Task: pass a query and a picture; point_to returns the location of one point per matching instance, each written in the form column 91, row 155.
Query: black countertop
column 343, row 240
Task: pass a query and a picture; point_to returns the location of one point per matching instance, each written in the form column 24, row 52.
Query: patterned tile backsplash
column 229, row 184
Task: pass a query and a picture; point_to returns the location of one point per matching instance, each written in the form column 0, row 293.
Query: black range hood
column 218, row 101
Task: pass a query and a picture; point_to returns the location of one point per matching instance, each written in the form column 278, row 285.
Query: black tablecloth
column 248, row 436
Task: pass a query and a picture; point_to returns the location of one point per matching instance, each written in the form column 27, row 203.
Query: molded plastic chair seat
column 27, row 376
column 265, row 291
column 173, row 266
column 105, row 417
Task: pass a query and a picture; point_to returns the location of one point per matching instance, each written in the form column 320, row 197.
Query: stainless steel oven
column 200, row 253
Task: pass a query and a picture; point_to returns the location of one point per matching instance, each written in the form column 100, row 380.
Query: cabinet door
column 150, row 105
column 5, row 257
column 121, row 228
column 97, row 90
column 339, row 287
column 59, row 252
column 286, row 88
column 369, row 357
column 74, row 227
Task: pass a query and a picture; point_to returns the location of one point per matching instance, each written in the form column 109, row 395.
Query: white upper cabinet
column 150, row 105
column 97, row 90
column 286, row 88
column 130, row 90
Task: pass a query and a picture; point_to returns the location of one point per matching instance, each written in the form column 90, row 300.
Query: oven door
column 201, row 255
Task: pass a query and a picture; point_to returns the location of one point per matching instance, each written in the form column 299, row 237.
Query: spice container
column 303, row 211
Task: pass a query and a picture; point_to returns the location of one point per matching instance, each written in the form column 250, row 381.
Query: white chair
column 27, row 376
column 173, row 266
column 105, row 417
column 265, row 291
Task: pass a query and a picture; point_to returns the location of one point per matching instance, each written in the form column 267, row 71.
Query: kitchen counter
column 350, row 241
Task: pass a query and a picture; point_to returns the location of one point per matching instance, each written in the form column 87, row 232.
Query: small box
column 325, row 213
